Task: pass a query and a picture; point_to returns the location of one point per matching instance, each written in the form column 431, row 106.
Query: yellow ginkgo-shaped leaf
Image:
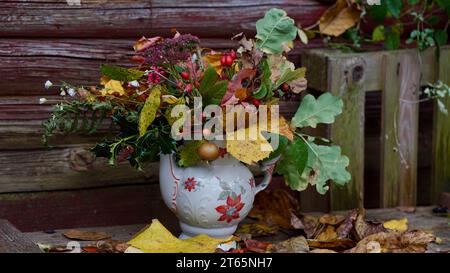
column 248, row 145
column 213, row 59
column 400, row 224
column 157, row 239
column 148, row 112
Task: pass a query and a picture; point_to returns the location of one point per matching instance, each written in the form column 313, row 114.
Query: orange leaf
column 338, row 18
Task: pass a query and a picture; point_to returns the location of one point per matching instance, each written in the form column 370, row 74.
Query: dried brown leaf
column 338, row 18
column 336, row 244
column 344, row 229
column 364, row 228
column 257, row 229
column 293, row 245
column 83, row 235
column 257, row 246
column 328, row 234
column 328, row 219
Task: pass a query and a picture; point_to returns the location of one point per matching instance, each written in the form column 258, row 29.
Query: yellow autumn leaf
column 400, row 224
column 338, row 18
column 168, row 112
column 328, row 234
column 157, row 239
column 251, row 147
column 283, row 128
column 213, row 59
column 170, row 99
column 148, row 112
column 112, row 87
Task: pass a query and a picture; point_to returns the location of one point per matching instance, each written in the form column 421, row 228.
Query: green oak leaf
column 275, row 30
column 324, row 163
column 148, row 112
column 120, row 74
column 290, row 75
column 292, row 164
column 312, row 111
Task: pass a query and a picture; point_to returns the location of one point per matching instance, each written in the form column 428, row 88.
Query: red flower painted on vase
column 231, row 210
column 252, row 182
column 190, row 183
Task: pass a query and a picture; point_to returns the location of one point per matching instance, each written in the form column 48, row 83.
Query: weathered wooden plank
column 441, row 137
column 105, row 206
column 65, row 168
column 14, row 241
column 133, row 18
column 389, row 177
column 373, row 60
column 399, row 133
column 410, row 72
column 347, row 131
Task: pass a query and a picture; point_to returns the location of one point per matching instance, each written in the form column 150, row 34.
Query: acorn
column 208, row 151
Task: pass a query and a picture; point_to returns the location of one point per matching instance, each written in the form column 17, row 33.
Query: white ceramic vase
column 210, row 198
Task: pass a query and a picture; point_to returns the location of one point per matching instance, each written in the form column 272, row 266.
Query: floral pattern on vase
column 231, row 209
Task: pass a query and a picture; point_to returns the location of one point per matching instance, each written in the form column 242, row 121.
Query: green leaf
column 392, row 39
column 211, row 89
column 274, row 30
column 290, row 75
column 188, row 153
column 325, row 163
column 394, row 7
column 441, row 37
column 292, row 164
column 378, row 34
column 120, row 74
column 312, row 111
column 378, row 12
column 413, row 2
column 148, row 112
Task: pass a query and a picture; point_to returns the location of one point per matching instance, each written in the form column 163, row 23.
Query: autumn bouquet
column 180, row 98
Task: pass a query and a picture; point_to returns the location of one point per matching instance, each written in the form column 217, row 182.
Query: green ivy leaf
column 274, row 30
column 188, row 153
column 325, row 163
column 120, row 74
column 312, row 111
column 292, row 163
column 378, row 34
column 394, row 7
column 211, row 89
column 148, row 112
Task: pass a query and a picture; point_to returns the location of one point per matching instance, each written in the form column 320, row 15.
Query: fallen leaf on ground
column 308, row 223
column 83, row 235
column 257, row 229
column 157, row 239
column 400, row 224
column 274, row 208
column 328, row 234
column 293, row 245
column 328, row 219
column 336, row 244
column 415, row 241
column 257, row 246
column 319, row 250
column 112, row 246
column 344, row 229
column 365, row 227
column 53, row 249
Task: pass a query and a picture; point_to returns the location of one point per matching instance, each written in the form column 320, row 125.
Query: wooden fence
column 399, row 76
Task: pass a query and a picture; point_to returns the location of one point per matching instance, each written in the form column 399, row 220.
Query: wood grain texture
column 134, row 18
column 65, row 168
column 347, row 131
column 441, row 137
column 106, row 206
column 14, row 241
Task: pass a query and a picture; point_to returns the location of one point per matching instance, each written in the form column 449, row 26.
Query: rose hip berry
column 285, row 87
column 233, row 54
column 229, row 60
column 184, row 75
column 256, row 102
column 223, row 60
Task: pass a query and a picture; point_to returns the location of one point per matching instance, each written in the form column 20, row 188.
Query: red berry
column 185, row 75
column 256, row 102
column 223, row 60
column 285, row 87
column 188, row 88
column 229, row 60
column 233, row 54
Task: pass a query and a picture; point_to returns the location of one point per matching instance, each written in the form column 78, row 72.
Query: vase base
column 189, row 231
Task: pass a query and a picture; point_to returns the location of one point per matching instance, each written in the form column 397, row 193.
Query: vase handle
column 268, row 168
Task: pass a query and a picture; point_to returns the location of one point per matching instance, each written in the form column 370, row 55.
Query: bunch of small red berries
column 228, row 58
